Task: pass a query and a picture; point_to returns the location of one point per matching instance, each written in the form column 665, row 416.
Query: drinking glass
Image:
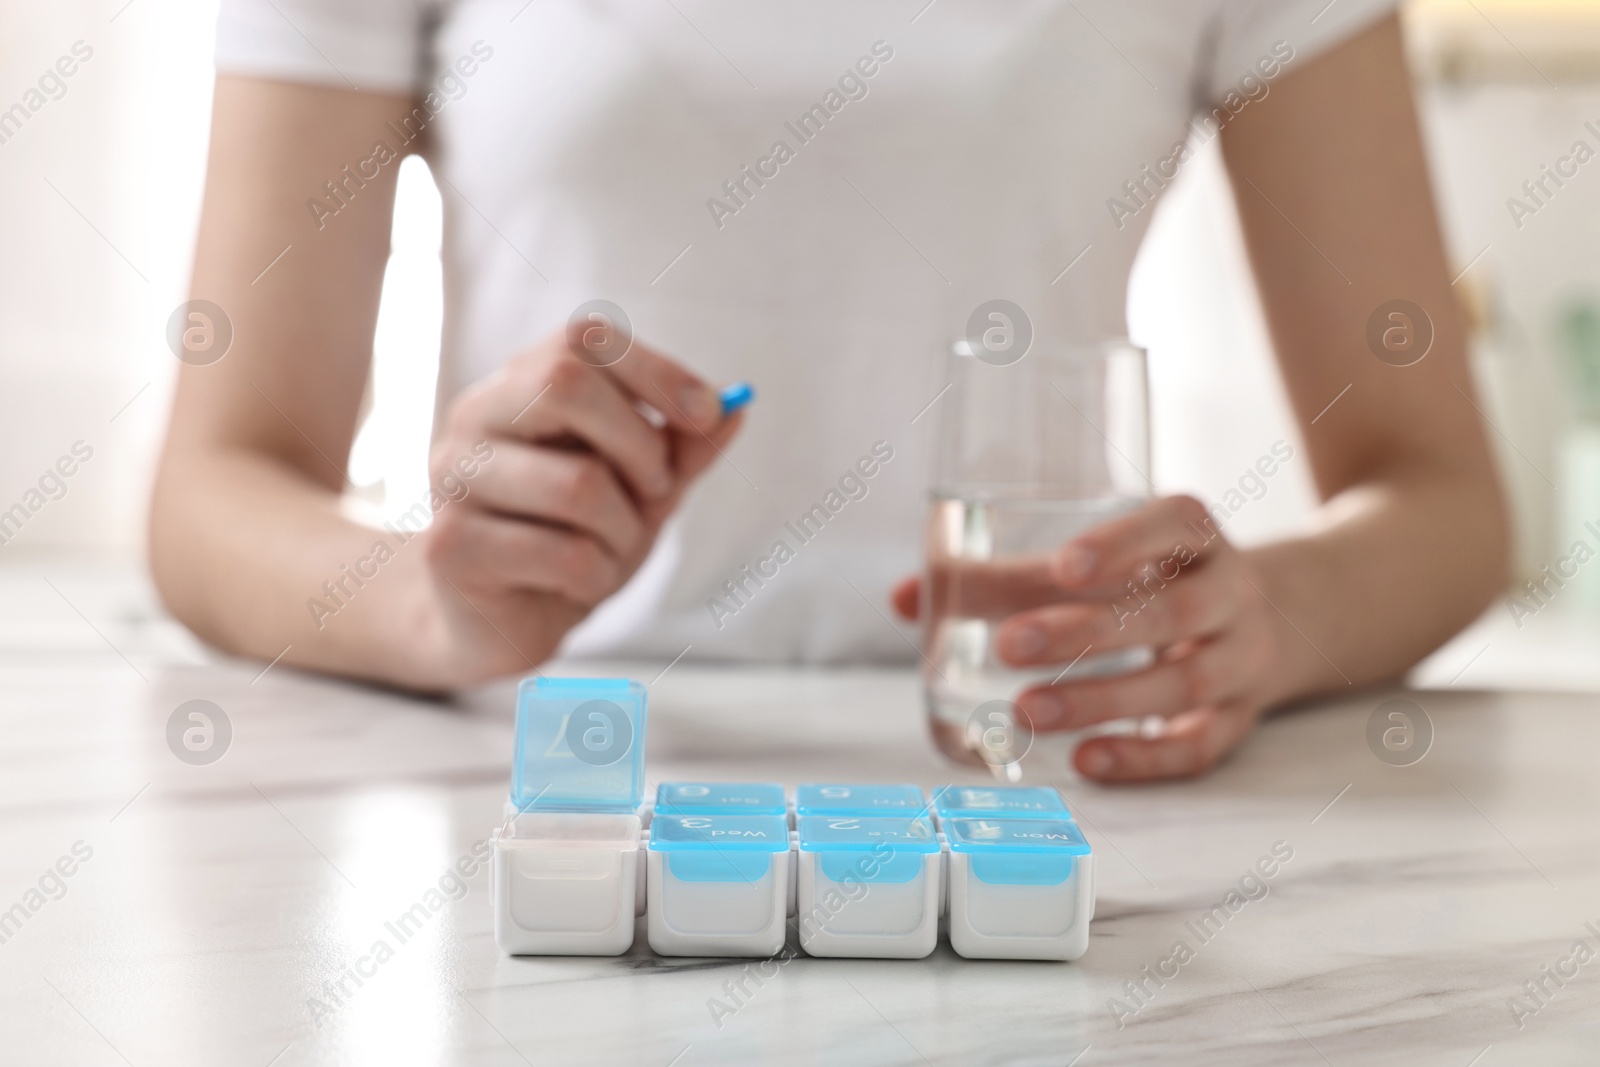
column 1031, row 452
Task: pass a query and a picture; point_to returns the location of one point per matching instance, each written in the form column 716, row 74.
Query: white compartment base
column 556, row 895
column 1020, row 922
column 890, row 920
column 717, row 918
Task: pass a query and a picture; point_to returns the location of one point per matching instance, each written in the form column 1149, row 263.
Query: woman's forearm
column 1337, row 212
column 257, row 561
column 1397, row 566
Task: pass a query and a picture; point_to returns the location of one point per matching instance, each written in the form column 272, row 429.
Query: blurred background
column 99, row 199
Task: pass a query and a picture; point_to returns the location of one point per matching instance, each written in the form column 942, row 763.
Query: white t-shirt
column 935, row 155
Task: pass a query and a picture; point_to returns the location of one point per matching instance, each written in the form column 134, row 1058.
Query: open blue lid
column 862, row 833
column 816, row 799
column 999, row 801
column 579, row 746
column 720, row 798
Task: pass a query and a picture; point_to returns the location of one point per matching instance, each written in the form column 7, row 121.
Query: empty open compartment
column 567, row 883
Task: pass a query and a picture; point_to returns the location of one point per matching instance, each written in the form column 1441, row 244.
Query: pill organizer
column 566, row 860
column 1019, row 888
column 868, row 870
column 868, row 885
column 718, row 884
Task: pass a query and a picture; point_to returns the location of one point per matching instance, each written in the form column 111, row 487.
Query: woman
column 813, row 197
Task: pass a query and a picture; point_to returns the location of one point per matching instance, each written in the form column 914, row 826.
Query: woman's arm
column 1410, row 542
column 1339, row 219
column 549, row 507
column 245, row 521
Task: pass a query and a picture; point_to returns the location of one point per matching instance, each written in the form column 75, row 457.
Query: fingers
column 1150, row 547
column 991, row 589
column 687, row 401
column 484, row 551
column 693, row 452
column 1170, row 533
column 1192, row 744
column 906, row 598
column 1158, row 612
column 534, row 399
column 1211, row 673
column 1163, row 577
column 570, row 488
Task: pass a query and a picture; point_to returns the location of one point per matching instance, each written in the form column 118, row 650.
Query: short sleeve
column 1251, row 38
column 377, row 45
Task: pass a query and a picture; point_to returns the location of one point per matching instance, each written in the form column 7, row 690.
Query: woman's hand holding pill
column 1161, row 577
column 589, row 458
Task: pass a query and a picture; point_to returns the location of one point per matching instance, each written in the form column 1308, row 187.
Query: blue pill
column 736, row 396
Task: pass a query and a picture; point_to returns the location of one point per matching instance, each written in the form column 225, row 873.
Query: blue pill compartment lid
column 1002, row 801
column 872, row 848
column 720, row 798
column 579, row 745
column 862, row 833
column 1018, row 851
column 718, row 848
column 841, row 799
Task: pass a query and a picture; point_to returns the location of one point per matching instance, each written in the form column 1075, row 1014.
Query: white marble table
column 220, row 901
